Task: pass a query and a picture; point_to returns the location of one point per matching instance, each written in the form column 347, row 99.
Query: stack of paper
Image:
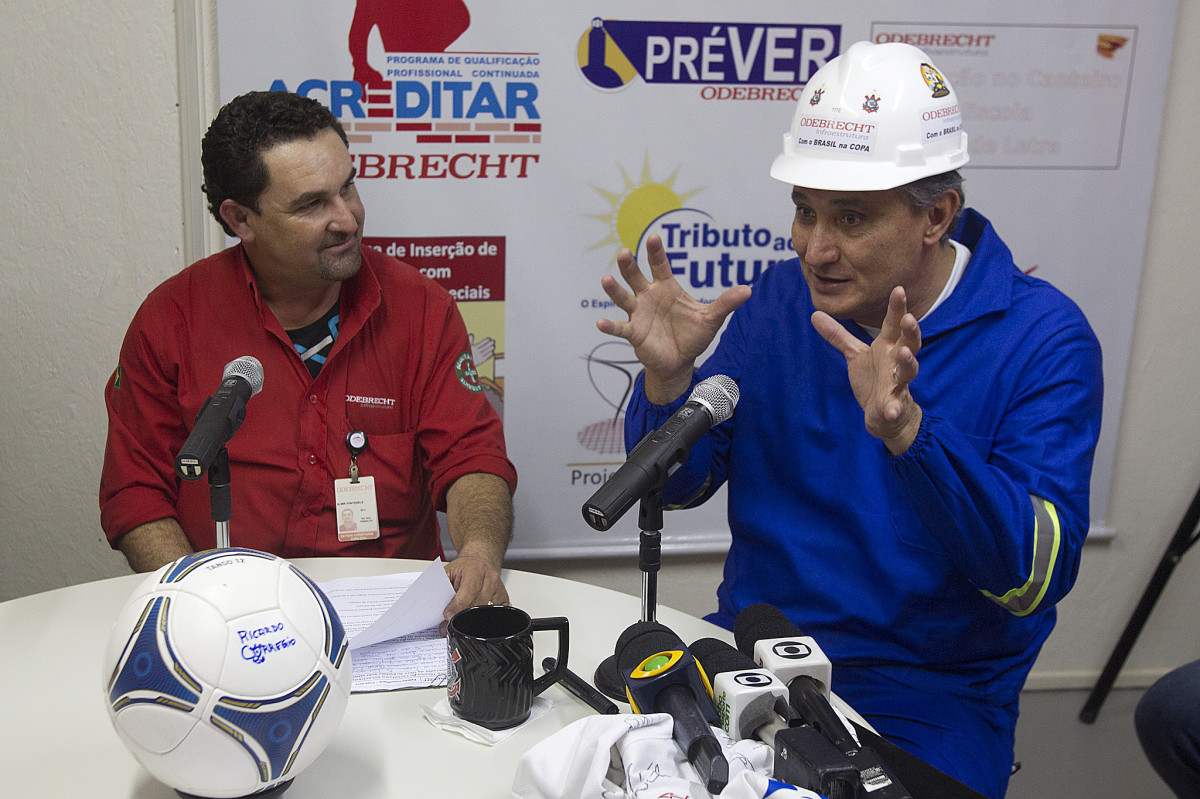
column 392, row 622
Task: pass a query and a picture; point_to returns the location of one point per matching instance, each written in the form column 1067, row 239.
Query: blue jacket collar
column 986, row 285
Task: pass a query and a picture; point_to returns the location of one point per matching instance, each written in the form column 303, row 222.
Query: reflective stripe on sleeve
column 1046, row 539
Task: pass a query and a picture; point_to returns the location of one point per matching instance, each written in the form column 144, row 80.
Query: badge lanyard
column 357, row 518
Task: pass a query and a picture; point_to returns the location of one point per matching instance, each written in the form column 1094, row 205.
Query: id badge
column 357, row 517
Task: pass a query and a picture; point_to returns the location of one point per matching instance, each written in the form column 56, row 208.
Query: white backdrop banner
column 510, row 149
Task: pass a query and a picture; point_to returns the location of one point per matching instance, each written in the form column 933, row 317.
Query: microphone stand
column 219, row 496
column 650, row 519
column 652, row 460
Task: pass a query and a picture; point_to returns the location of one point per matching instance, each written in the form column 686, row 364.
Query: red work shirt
column 396, row 372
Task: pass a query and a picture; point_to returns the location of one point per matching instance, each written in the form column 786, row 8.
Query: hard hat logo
column 876, row 117
column 934, row 80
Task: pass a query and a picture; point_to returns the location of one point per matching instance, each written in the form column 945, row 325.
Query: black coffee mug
column 490, row 676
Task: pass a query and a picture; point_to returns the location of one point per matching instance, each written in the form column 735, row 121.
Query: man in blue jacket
column 921, row 528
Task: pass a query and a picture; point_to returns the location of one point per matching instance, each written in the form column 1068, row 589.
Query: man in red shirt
column 350, row 341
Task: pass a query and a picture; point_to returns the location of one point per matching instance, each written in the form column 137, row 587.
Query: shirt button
column 312, row 460
column 312, row 398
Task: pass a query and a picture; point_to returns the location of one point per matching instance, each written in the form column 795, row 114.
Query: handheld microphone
column 752, row 702
column 220, row 417
column 778, row 646
column 662, row 452
column 764, row 633
column 662, row 676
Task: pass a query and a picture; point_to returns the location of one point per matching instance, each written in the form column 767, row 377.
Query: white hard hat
column 876, row 117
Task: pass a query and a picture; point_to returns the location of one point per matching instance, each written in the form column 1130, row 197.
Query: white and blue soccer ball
column 227, row 673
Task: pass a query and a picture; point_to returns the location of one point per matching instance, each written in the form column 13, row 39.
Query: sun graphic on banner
column 612, row 366
column 635, row 207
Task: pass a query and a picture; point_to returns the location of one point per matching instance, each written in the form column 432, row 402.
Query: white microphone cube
column 799, row 656
column 746, row 696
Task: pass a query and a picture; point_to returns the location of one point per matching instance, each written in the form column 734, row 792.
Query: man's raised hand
column 667, row 327
column 880, row 373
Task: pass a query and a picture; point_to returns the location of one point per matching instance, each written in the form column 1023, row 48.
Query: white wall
column 91, row 187
column 90, row 191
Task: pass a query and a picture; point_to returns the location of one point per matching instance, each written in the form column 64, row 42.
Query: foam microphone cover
column 717, row 657
column 643, row 639
column 760, row 621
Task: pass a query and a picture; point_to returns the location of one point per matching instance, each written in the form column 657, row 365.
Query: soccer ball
column 227, row 673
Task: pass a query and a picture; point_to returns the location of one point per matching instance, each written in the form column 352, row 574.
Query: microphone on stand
column 220, row 417
column 641, row 478
column 204, row 450
column 662, row 452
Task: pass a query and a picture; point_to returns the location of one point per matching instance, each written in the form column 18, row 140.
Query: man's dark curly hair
column 249, row 125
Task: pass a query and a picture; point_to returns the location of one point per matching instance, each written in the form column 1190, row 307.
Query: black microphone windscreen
column 761, row 621
column 717, row 657
column 643, row 639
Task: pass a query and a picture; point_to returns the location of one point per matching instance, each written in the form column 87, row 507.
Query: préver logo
column 730, row 61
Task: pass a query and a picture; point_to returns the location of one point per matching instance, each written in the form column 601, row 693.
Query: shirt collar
column 360, row 295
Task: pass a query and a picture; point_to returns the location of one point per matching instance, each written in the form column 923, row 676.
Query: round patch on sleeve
column 464, row 367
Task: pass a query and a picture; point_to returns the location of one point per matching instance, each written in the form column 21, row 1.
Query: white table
column 56, row 739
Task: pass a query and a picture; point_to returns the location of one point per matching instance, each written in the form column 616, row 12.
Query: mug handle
column 560, row 624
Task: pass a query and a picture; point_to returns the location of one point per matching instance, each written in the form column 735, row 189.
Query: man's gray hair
column 922, row 194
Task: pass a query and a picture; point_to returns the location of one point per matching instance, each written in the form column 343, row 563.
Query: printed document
column 392, row 623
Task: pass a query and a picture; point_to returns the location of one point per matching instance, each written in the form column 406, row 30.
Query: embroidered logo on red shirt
column 464, row 367
column 378, row 402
